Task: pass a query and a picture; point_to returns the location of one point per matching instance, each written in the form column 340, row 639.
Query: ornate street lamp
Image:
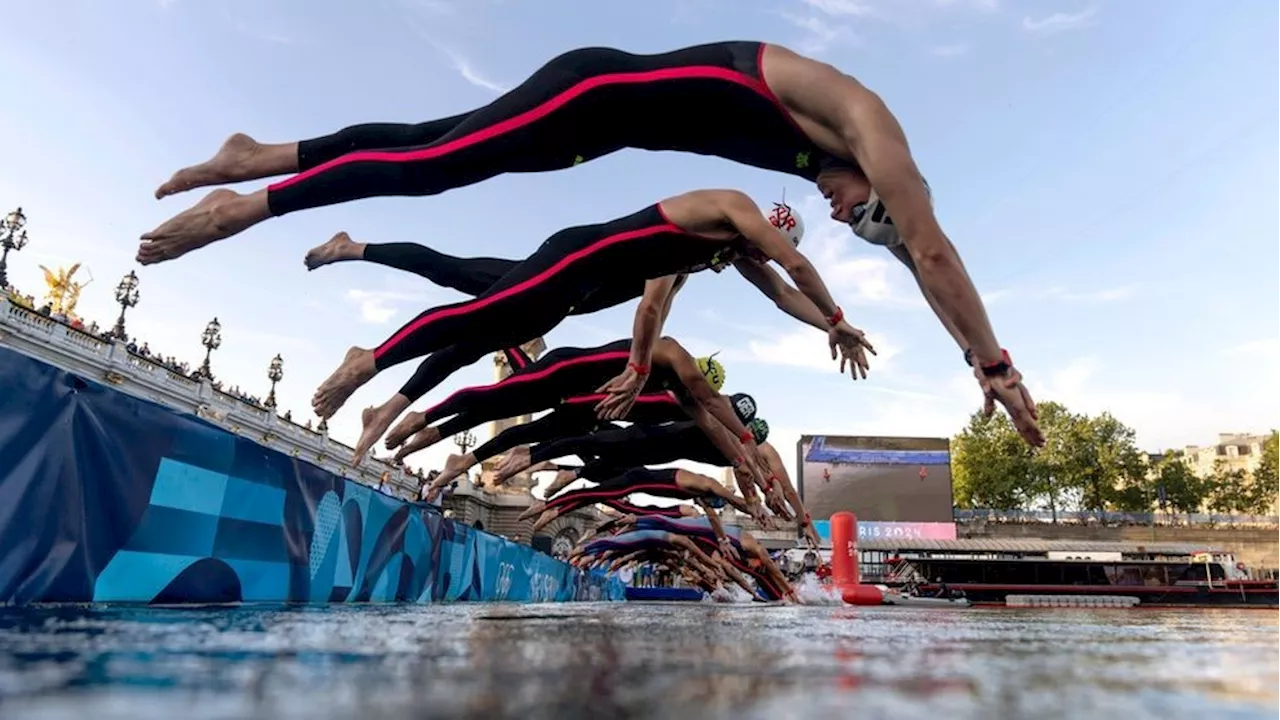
column 275, row 373
column 127, row 297
column 464, row 440
column 13, row 236
column 211, row 339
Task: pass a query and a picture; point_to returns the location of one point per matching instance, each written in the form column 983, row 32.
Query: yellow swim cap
column 713, row 370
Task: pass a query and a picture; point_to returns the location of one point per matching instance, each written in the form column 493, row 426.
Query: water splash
column 811, row 591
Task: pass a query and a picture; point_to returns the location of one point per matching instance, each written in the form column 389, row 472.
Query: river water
column 635, row 661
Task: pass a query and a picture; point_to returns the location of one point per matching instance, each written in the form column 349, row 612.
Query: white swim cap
column 871, row 222
column 786, row 219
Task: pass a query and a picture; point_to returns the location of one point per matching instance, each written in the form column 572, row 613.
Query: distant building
column 1239, row 451
column 1236, row 451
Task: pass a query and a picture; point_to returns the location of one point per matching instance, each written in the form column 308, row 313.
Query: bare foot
column 537, row 507
column 542, row 466
column 356, row 369
column 545, row 519
column 221, row 214
column 455, row 466
column 421, row 441
column 516, row 460
column 376, row 421
column 338, row 248
column 562, row 480
column 240, row 158
column 412, row 423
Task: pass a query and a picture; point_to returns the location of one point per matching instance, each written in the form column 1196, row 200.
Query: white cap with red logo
column 788, row 221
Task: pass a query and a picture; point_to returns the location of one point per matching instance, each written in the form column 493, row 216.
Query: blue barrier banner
column 105, row 497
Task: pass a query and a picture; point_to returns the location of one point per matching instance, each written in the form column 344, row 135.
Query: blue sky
column 1108, row 172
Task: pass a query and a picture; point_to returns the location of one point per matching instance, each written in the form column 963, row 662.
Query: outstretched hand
column 853, row 347
column 622, row 392
column 811, row 537
column 1008, row 390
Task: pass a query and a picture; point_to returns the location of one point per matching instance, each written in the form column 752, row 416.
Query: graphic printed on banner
column 115, row 499
column 893, row 530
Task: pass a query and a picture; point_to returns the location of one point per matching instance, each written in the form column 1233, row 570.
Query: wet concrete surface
column 636, row 661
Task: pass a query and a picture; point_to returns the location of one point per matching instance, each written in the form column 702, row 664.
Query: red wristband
column 835, row 319
column 746, row 437
column 999, row 367
column 640, row 369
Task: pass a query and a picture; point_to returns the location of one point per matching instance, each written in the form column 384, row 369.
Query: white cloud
column 469, row 73
column 806, row 347
column 855, row 8
column 953, row 50
column 377, row 307
column 1269, row 347
column 264, row 35
column 1115, row 294
column 437, row 7
column 818, row 35
column 980, row 5
column 1059, row 22
column 996, row 296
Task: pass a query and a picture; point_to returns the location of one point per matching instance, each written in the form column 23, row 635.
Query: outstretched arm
column 646, row 328
column 746, row 217
column 786, row 298
column 700, row 391
column 905, row 256
column 652, row 312
column 789, row 492
column 718, row 528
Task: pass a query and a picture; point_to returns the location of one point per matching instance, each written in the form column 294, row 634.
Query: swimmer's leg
column 469, row 276
column 529, row 301
column 243, row 158
column 561, row 116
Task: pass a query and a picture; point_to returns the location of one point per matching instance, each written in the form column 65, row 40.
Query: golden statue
column 63, row 293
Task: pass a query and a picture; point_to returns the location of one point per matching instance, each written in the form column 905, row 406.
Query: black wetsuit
column 560, row 375
column 474, row 276
column 660, row 482
column 637, row 445
column 530, row 300
column 576, row 416
column 587, row 103
column 623, row 506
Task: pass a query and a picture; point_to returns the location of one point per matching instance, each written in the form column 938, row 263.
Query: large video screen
column 885, row 479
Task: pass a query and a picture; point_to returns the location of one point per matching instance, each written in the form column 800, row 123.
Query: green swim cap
column 760, row 429
column 713, row 371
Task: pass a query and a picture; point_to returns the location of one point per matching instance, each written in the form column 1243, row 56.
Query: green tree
column 990, row 464
column 1266, row 484
column 1184, row 492
column 1052, row 479
column 1087, row 463
column 1096, row 462
column 1229, row 489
